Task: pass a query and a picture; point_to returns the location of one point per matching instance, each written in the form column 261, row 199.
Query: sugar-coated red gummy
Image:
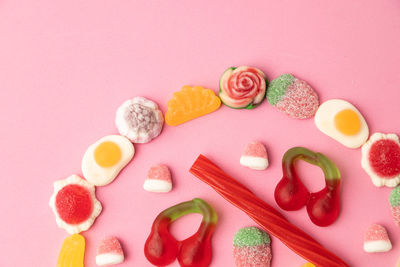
column 384, row 158
column 74, row 204
column 252, row 256
column 110, row 245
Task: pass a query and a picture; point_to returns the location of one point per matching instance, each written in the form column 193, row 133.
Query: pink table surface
column 65, row 67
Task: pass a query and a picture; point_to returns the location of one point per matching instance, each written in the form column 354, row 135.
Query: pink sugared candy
column 376, row 239
column 158, row 179
column 293, row 96
column 109, row 252
column 255, row 156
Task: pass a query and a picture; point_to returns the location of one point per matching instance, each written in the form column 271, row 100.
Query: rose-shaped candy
column 242, row 87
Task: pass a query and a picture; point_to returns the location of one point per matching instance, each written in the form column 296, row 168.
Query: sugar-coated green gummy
column 250, row 236
column 277, row 88
column 394, row 198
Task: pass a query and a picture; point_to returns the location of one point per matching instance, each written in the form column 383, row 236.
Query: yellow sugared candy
column 308, row 265
column 72, row 252
column 190, row 103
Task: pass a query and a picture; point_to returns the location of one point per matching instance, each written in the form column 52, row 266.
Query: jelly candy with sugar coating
column 293, row 97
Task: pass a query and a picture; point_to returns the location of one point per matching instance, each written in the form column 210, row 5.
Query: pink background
column 65, row 67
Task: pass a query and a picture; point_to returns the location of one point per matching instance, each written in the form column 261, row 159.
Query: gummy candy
column 158, row 179
column 252, row 247
column 255, row 156
column 242, row 87
column 139, row 119
column 190, row 103
column 162, row 248
column 104, row 159
column 293, row 97
column 376, row 239
column 74, row 204
column 290, row 194
column 109, row 252
column 268, row 218
column 72, row 251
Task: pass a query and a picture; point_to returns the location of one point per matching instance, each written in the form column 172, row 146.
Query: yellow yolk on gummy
column 347, row 122
column 107, row 154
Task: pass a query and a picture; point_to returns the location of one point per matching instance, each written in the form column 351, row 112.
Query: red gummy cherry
column 290, row 194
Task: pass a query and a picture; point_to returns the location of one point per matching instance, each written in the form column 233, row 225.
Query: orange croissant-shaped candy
column 190, row 103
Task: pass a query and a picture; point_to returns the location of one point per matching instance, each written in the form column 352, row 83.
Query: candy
column 109, row 252
column 255, row 156
column 74, row 204
column 139, row 119
column 104, row 159
column 190, row 103
column 252, row 247
column 293, row 97
column 72, row 252
column 394, row 201
column 242, row 87
column 162, row 248
column 381, row 159
column 264, row 215
column 376, row 239
column 290, row 194
column 342, row 121
column 158, row 179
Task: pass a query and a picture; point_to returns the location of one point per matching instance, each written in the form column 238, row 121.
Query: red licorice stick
column 263, row 214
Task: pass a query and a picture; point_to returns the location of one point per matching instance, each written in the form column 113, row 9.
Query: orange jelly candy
column 72, row 251
column 190, row 103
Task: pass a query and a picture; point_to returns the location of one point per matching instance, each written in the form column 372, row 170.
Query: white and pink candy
column 242, row 87
column 293, row 97
column 376, row 239
column 255, row 156
column 158, row 179
column 139, row 119
column 109, row 252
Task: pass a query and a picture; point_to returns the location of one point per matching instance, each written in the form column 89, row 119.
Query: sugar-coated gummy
column 293, row 97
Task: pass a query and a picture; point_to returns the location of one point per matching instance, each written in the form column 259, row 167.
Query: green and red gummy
column 290, row 194
column 162, row 248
